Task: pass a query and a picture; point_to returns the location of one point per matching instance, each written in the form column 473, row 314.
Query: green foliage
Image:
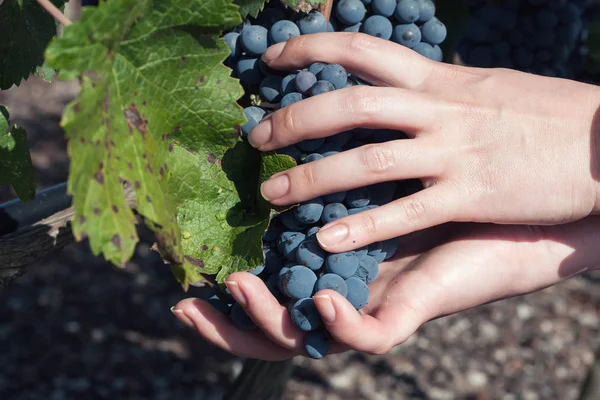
column 220, row 211
column 26, row 30
column 16, row 168
column 250, row 7
column 151, row 85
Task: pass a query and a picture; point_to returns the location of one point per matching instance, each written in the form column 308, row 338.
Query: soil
column 74, row 327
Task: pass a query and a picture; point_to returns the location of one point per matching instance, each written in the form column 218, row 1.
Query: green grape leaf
column 26, row 30
column 45, row 72
column 152, row 85
column 16, row 168
column 250, row 7
column 221, row 213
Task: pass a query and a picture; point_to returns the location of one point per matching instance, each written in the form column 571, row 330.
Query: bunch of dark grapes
column 296, row 267
column 545, row 37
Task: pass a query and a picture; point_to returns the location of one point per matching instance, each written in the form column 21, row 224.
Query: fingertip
column 273, row 52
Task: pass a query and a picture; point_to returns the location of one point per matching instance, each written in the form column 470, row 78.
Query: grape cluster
column 296, row 267
column 544, row 37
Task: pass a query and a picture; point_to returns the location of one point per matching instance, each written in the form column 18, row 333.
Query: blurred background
column 75, row 327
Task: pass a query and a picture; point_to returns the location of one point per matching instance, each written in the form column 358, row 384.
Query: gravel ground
column 74, row 327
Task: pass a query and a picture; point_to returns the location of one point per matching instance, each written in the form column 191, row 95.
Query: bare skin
column 444, row 270
column 490, row 145
column 508, row 161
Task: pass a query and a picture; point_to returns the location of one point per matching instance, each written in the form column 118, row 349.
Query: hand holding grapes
column 437, row 272
column 490, row 145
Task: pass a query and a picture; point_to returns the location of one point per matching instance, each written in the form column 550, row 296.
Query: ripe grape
column 310, row 254
column 350, row 12
column 283, row 31
column 304, row 81
column 333, row 211
column 254, row 40
column 378, row 26
column 305, row 316
column 333, row 282
column 316, row 344
column 358, row 292
column 299, row 282
column 342, row 264
column 335, row 74
column 314, row 22
column 309, row 212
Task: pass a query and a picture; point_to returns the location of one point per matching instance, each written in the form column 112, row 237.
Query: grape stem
column 55, row 12
column 326, row 9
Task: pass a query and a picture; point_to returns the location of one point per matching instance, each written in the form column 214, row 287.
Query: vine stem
column 55, row 12
column 326, row 9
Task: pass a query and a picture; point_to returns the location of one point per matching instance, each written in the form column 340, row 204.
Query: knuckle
column 307, row 176
column 359, row 42
column 378, row 158
column 369, row 223
column 414, row 209
column 297, row 43
column 288, row 120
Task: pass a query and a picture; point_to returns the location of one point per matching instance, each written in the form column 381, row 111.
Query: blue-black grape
column 312, row 157
column 258, row 270
column 283, row 31
column 232, row 41
column 426, row 10
column 290, row 99
column 321, row 87
column 248, row 71
column 254, row 115
column 309, row 212
column 218, row 304
column 336, row 74
column 333, row 282
column 313, row 22
column 299, row 282
column 254, row 40
column 310, row 254
column 333, row 211
column 408, row 35
column 433, row 31
column 304, row 81
column 316, row 344
column 289, row 220
column 288, row 84
column 407, row 11
column 315, row 68
column 358, row 292
column 384, row 8
column 304, row 315
column 350, row 12
column 288, row 243
column 270, row 89
column 337, row 197
column 368, row 269
column 340, row 139
column 342, row 264
column 378, row 26
column 359, row 197
column 240, row 319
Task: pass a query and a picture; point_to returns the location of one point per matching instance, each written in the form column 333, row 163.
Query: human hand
column 490, row 145
column 434, row 276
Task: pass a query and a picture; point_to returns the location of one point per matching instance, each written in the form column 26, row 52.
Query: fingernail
column 273, row 52
column 326, row 308
column 275, row 187
column 236, row 292
column 180, row 315
column 261, row 134
column 330, row 236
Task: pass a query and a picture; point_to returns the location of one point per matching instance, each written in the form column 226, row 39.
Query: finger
column 220, row 331
column 409, row 70
column 264, row 309
column 272, row 318
column 357, row 331
column 432, row 206
column 342, row 110
column 363, row 166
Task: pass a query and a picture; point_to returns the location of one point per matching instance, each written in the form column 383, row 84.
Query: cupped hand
column 480, row 263
column 490, row 145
